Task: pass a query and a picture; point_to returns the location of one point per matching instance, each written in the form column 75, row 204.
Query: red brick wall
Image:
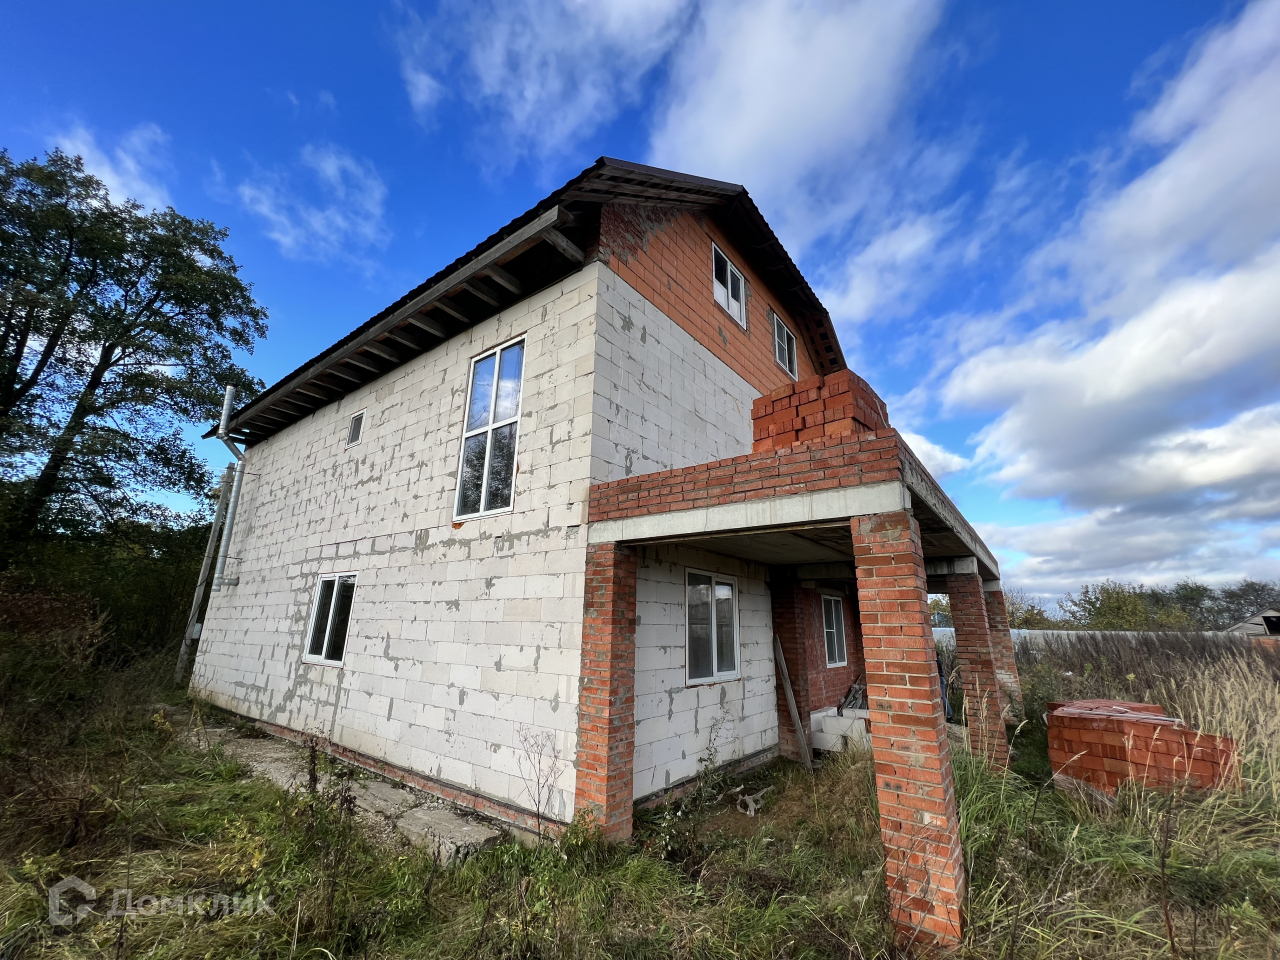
column 606, row 698
column 665, row 254
column 828, row 685
column 1106, row 742
column 830, row 406
column 846, row 461
column 837, row 458
column 982, row 696
column 789, row 623
column 924, row 864
column 1002, row 651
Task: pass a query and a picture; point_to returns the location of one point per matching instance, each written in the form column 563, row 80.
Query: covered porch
column 846, row 519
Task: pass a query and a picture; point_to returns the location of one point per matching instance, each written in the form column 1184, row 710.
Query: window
column 711, row 611
column 833, row 624
column 487, row 470
column 356, row 430
column 730, row 288
column 327, row 639
column 784, row 345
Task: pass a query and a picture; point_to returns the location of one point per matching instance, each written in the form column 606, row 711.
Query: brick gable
column 665, row 254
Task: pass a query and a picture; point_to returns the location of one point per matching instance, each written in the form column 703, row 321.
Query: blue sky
column 1049, row 232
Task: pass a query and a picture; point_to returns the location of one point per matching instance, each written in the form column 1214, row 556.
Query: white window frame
column 350, row 423
column 489, row 428
column 717, row 676
column 320, row 658
column 716, row 287
column 840, row 631
column 779, row 328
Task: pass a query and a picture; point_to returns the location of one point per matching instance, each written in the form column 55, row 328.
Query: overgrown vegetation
column 1111, row 605
column 97, row 781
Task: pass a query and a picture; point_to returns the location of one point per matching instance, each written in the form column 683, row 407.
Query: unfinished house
column 585, row 484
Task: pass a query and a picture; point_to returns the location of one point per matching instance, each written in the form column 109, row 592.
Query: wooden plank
column 505, row 279
column 806, row 755
column 486, row 294
column 309, row 392
column 496, row 254
column 429, row 324
column 400, row 335
column 373, row 346
column 563, row 244
column 451, row 310
column 337, row 371
column 359, row 361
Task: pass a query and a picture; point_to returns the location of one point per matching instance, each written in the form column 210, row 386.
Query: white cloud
column 1155, row 410
column 346, row 220
column 938, row 460
column 797, row 99
column 881, row 277
column 133, row 170
column 551, row 73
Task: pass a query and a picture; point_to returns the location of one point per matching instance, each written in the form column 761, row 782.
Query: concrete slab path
column 421, row 819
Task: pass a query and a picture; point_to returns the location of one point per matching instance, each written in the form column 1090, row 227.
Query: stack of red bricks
column 1106, row 742
column 840, row 403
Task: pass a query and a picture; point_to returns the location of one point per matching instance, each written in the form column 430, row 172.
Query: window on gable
column 833, row 624
column 356, row 430
column 486, row 474
column 730, row 288
column 784, row 346
column 330, row 617
column 711, row 615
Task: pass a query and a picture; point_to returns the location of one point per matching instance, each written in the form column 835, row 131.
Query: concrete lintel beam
column 991, row 586
column 801, row 508
column 949, row 565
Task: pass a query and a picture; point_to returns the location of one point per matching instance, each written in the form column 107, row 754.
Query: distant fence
column 946, row 636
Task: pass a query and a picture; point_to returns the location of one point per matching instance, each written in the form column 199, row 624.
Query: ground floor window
column 711, row 635
column 833, row 624
column 330, row 617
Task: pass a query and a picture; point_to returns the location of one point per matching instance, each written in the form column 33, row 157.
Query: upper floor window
column 833, row 624
column 711, row 614
column 730, row 288
column 784, row 346
column 486, row 472
column 356, row 430
column 330, row 617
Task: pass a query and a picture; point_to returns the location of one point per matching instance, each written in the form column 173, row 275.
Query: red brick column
column 982, row 697
column 1002, row 647
column 924, row 864
column 789, row 623
column 606, row 697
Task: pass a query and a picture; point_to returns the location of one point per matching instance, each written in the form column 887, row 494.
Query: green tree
column 1121, row 606
column 1027, row 613
column 121, row 327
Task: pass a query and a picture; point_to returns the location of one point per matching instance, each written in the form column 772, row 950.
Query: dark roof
column 537, row 248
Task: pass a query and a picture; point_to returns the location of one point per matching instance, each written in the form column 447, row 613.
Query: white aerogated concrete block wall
column 458, row 637
column 677, row 725
column 663, row 401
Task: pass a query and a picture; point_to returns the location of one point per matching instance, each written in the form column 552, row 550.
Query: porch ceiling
column 825, row 542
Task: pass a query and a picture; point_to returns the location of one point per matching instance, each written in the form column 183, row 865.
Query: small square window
column 730, row 289
column 784, row 346
column 330, row 618
column 833, row 627
column 711, row 627
column 356, row 430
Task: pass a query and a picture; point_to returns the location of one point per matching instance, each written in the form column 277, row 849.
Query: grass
column 95, row 785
